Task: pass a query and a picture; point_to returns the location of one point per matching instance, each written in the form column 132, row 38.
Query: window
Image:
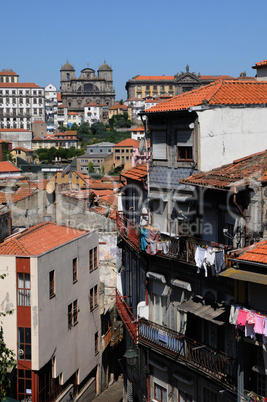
column 73, row 314
column 24, row 384
column 185, row 145
column 96, row 343
column 52, row 284
column 24, row 343
column 24, row 290
column 183, row 397
column 34, row 100
column 159, row 309
column 93, row 259
column 160, row 393
column 93, row 297
column 75, row 270
column 159, row 145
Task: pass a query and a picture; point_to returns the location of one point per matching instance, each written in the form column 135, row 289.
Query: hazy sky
column 146, row 37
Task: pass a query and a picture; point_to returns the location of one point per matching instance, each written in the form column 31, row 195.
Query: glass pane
column 21, row 335
column 27, row 281
column 21, row 373
column 164, row 395
column 20, row 281
column 21, row 386
column 27, row 335
column 28, row 352
column 20, row 297
column 28, row 387
column 27, row 297
column 21, row 352
column 28, row 374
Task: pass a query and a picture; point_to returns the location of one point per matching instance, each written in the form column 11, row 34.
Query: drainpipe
column 241, row 213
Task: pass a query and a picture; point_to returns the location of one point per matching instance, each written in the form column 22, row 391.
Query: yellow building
column 123, row 153
column 116, row 110
column 8, row 75
column 23, row 153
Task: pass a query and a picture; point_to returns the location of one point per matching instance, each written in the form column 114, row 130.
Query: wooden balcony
column 182, row 248
column 178, row 347
column 126, row 316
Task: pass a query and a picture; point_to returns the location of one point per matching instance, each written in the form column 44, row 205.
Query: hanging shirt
column 242, row 318
column 259, row 324
column 234, row 311
column 265, row 327
column 200, row 259
column 249, row 330
column 219, row 261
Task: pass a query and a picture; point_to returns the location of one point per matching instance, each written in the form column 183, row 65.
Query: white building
column 51, row 105
column 92, row 113
column 20, row 104
column 51, row 283
column 138, row 133
column 74, row 118
column 135, row 106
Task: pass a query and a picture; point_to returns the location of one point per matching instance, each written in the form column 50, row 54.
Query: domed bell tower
column 67, row 73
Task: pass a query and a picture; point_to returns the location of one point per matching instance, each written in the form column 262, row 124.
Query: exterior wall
column 138, row 159
column 39, row 129
column 74, row 348
column 20, row 107
column 232, row 132
column 66, row 211
column 8, row 300
column 122, row 155
column 261, row 74
column 18, row 138
column 91, row 114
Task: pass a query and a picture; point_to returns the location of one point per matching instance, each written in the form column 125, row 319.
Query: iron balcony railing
column 182, row 248
column 179, row 347
column 126, row 316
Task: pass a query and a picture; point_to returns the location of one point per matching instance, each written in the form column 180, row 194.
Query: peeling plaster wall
column 228, row 133
column 8, row 301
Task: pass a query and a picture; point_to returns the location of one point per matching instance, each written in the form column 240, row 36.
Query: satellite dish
column 142, row 146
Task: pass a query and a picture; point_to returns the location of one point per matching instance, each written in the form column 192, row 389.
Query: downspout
column 241, row 213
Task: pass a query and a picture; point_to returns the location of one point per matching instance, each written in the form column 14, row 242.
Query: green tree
column 91, row 167
column 7, row 359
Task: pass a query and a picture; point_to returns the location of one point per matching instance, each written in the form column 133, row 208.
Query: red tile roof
column 92, row 104
column 8, row 167
column 257, row 253
column 14, row 130
column 39, row 121
column 217, row 93
column 18, row 85
column 8, row 73
column 23, row 149
column 260, row 64
column 138, row 129
column 118, row 106
column 129, row 142
column 138, row 173
column 240, row 172
column 39, row 239
column 8, row 142
column 153, row 77
column 59, row 97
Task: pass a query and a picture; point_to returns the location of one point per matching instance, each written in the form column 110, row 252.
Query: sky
column 146, row 37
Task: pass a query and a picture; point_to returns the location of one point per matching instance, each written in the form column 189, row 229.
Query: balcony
column 178, row 347
column 182, row 248
column 126, row 316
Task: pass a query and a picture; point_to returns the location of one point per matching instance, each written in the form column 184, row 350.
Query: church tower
column 105, row 72
column 67, row 73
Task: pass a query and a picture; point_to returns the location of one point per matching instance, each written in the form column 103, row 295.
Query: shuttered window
column 159, row 145
column 185, row 145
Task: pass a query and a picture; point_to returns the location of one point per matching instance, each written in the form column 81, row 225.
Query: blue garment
column 143, row 237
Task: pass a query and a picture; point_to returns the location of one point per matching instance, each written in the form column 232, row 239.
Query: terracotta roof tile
column 153, row 77
column 260, row 64
column 217, row 93
column 239, row 172
column 138, row 129
column 129, row 142
column 14, row 130
column 257, row 253
column 8, row 167
column 118, row 106
column 138, row 173
column 39, row 239
column 23, row 149
column 18, row 85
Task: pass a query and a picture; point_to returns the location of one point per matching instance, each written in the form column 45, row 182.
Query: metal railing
column 182, row 247
column 126, row 315
column 180, row 347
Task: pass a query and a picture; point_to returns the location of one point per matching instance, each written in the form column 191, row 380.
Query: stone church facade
column 76, row 93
